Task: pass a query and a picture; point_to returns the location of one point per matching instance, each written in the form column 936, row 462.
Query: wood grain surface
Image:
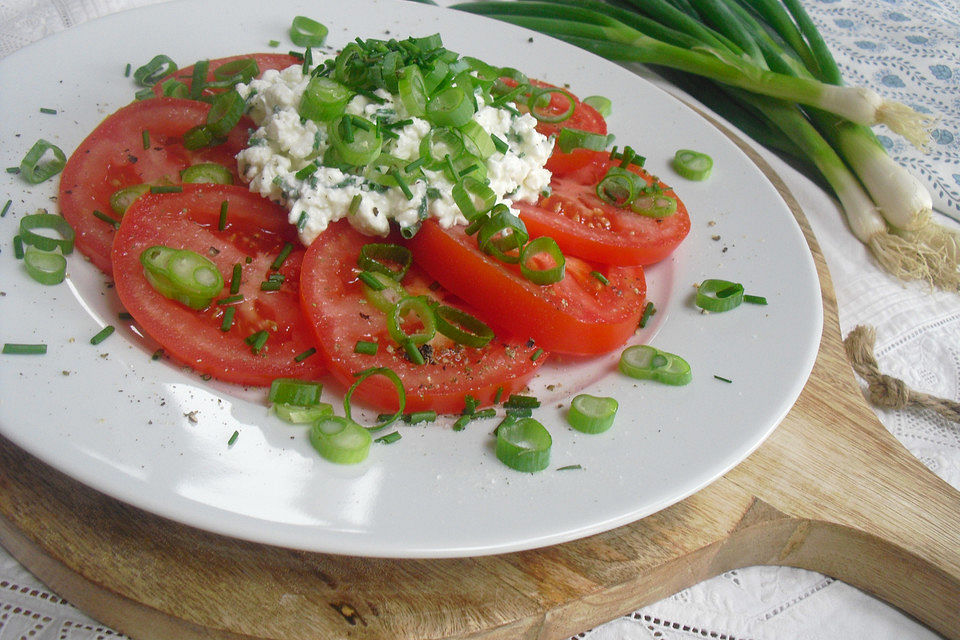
column 830, row 491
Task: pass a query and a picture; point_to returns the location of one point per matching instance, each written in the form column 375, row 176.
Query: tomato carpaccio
column 139, row 144
column 334, row 302
column 255, row 234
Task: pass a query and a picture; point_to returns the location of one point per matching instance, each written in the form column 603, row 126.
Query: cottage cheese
column 284, row 144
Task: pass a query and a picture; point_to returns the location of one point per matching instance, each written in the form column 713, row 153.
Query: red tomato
column 584, row 225
column 578, row 315
column 264, row 62
column 333, row 300
column 584, row 118
column 255, row 229
column 113, row 157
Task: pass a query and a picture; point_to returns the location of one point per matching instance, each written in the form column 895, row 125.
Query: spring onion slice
column 296, row 414
column 692, row 165
column 37, row 166
column 198, row 137
column 438, row 144
column 649, row 363
column 413, row 90
column 29, row 224
column 570, row 139
column 206, row 172
column 619, row 187
column 524, row 445
column 225, row 113
column 121, row 199
column 356, row 140
column 306, row 32
column 340, row 440
column 503, row 235
column 380, row 290
column 240, row 70
column 324, row 99
column 182, row 275
column 592, row 414
column 602, row 104
column 158, row 67
column 390, row 375
column 452, row 107
column 535, row 101
column 389, row 259
column 555, row 262
column 653, row 203
column 461, row 327
column 719, row 295
column 420, row 307
column 292, row 391
column 46, row 267
column 476, row 140
column 473, row 197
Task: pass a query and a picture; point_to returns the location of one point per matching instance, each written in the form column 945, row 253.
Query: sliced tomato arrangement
column 265, row 62
column 255, row 234
column 334, row 302
column 141, row 143
column 584, row 225
column 580, row 314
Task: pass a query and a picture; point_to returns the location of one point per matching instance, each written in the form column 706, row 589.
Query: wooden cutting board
column 830, row 491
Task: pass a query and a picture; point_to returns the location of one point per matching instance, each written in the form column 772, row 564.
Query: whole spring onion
column 760, row 59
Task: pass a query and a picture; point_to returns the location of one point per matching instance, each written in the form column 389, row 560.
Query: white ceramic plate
column 154, row 435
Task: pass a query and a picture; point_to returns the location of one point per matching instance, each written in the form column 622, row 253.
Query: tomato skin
column 585, row 226
column 265, row 61
column 333, row 301
column 112, row 157
column 255, row 228
column 578, row 315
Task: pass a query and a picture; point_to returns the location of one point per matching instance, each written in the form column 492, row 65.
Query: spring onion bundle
column 776, row 78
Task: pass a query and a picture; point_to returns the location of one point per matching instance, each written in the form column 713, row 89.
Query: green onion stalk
column 779, row 78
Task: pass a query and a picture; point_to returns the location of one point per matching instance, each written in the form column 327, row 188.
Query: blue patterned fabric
column 907, row 50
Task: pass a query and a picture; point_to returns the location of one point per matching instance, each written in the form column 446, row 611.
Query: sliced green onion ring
column 602, row 104
column 654, row 204
column 205, row 172
column 225, row 113
column 295, row 414
column 461, row 327
column 719, row 295
column 37, row 166
column 619, row 187
column 420, row 307
column 438, row 144
column 473, row 197
column 555, row 262
column 198, row 137
column 413, row 90
column 649, row 363
column 158, row 67
column 306, row 32
column 387, row 295
column 182, row 275
column 36, row 221
column 524, row 445
column 477, row 140
column 356, row 140
column 592, row 414
column 46, row 267
column 692, row 165
column 324, row 99
column 503, row 235
column 121, row 199
column 570, row 139
column 535, row 101
column 390, row 375
column 340, row 440
column 243, row 70
column 452, row 107
column 378, row 257
column 292, row 391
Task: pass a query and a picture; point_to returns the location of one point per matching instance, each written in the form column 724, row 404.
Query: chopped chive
column 420, row 416
column 103, row 334
column 402, row 184
column 227, row 323
column 500, row 145
column 113, row 222
column 257, row 340
column 722, row 379
column 157, row 354
column 146, row 139
column 413, row 353
column 462, row 422
column 355, row 204
column 754, row 299
column 498, row 395
column 519, row 412
column 235, row 278
column 521, row 402
column 126, row 72
column 13, row 169
column 6, row 208
column 302, row 221
column 284, row 254
column 648, row 311
column 728, row 291
column 366, row 348
column 390, row 438
column 222, row 223
column 599, row 276
column 230, row 299
column 570, row 467
column 233, row 438
column 274, row 43
column 125, row 315
column 536, row 355
column 48, row 110
column 416, row 164
column 13, row 348
column 173, row 188
column 270, row 285
column 17, row 248
column 300, row 357
column 469, row 405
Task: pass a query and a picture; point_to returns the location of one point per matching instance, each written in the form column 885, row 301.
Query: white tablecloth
column 907, row 49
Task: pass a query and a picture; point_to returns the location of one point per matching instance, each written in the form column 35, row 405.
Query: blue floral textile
column 907, row 50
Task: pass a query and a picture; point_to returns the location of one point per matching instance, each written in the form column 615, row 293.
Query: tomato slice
column 113, row 157
column 265, row 61
column 584, row 225
column 333, row 300
column 255, row 233
column 578, row 315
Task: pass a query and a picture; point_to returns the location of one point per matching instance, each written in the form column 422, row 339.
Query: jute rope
column 886, row 391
